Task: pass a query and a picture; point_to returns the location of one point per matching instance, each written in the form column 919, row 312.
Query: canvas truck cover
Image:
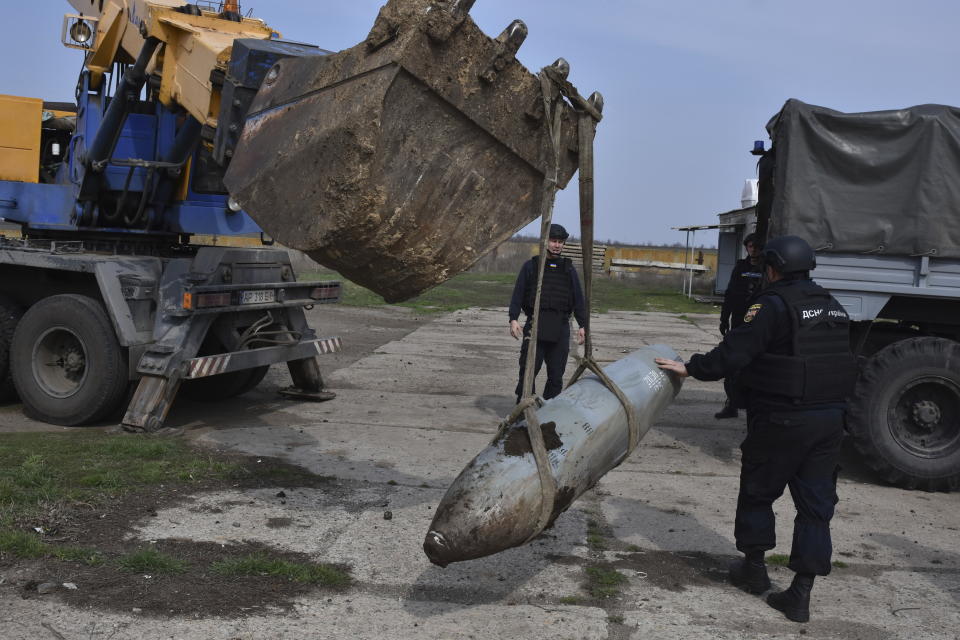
column 883, row 182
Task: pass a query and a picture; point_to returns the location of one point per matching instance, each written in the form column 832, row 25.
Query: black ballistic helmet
column 790, row 254
column 557, row 232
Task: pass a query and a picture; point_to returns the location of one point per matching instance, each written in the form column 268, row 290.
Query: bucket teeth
column 513, row 36
column 444, row 19
column 562, row 67
column 508, row 42
column 460, row 7
column 596, row 101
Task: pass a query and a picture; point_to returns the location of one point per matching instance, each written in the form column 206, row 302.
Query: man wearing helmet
column 560, row 296
column 793, row 363
column 744, row 283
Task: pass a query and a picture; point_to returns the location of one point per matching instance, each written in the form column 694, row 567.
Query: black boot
column 794, row 603
column 728, row 411
column 750, row 573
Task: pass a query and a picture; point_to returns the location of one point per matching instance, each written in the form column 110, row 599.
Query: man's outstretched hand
column 673, row 366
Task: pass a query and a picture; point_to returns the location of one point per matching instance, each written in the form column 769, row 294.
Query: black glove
column 724, row 327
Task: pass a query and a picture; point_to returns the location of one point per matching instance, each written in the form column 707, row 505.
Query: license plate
column 259, row 296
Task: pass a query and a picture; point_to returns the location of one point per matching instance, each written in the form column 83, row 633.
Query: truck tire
column 905, row 413
column 10, row 313
column 67, row 365
column 223, row 386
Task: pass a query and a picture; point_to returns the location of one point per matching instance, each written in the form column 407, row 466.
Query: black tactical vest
column 821, row 367
column 747, row 283
column 556, row 293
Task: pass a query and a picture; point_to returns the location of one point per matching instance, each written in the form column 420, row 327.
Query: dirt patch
column 196, row 592
column 279, row 523
column 675, row 571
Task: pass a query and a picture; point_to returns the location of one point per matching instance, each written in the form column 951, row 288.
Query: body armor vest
column 821, row 367
column 556, row 293
column 747, row 283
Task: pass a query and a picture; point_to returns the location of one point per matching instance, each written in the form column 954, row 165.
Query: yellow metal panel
column 110, row 28
column 196, row 45
column 227, row 241
column 20, row 138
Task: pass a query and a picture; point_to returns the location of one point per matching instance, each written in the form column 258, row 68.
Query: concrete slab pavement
column 415, row 409
column 674, row 497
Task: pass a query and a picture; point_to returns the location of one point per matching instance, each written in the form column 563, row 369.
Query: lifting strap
column 554, row 89
column 587, row 129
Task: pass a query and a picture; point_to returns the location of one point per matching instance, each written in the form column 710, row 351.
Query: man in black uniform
column 792, row 359
column 744, row 283
column 560, row 295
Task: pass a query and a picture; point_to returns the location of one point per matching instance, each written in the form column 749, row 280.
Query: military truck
column 878, row 197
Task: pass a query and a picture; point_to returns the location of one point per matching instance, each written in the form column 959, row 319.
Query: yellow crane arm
column 194, row 45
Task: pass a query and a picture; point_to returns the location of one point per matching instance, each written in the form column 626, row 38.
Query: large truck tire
column 905, row 413
column 67, row 364
column 223, row 386
column 10, row 313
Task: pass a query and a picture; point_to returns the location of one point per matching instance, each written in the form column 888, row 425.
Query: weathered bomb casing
column 494, row 503
column 419, row 166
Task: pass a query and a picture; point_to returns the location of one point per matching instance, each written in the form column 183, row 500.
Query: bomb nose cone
column 436, row 548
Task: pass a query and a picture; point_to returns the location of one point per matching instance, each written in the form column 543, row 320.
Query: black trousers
column 799, row 450
column 554, row 355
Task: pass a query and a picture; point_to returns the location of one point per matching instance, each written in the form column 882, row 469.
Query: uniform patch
column 751, row 312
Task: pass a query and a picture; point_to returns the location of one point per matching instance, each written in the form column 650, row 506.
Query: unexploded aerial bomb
column 495, row 502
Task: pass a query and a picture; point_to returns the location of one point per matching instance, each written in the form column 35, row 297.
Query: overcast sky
column 688, row 84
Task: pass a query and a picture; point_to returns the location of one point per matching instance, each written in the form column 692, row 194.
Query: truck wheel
column 223, row 386
column 10, row 313
column 67, row 365
column 905, row 413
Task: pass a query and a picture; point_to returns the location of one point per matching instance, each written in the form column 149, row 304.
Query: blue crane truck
column 878, row 197
column 398, row 163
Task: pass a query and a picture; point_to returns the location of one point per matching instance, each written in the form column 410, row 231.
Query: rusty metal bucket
column 403, row 160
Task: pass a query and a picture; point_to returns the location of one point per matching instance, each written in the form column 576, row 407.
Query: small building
column 734, row 226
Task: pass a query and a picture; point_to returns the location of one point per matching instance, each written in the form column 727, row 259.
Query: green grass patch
column 261, row 564
column 596, row 539
column 40, row 472
column 840, row 564
column 22, row 544
column 615, row 619
column 88, row 557
column 603, row 582
column 633, row 548
column 494, row 290
column 151, row 561
column 571, row 600
column 777, row 559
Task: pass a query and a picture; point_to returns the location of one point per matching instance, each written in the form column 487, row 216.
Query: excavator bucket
column 401, row 161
